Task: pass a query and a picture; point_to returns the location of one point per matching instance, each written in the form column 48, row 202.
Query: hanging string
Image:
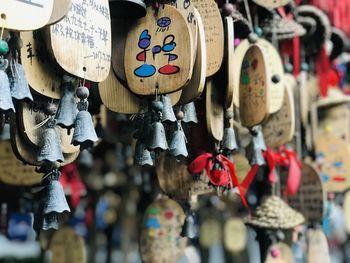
column 3, row 17
column 247, row 10
column 38, row 125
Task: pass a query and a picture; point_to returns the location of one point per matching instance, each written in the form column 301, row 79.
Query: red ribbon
column 294, row 172
column 218, row 176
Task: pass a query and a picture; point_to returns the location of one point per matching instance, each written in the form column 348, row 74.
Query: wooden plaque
column 81, row 42
column 116, row 97
column 253, row 88
column 13, row 171
column 210, row 232
column 59, row 10
column 42, row 76
column 214, row 111
column 279, row 127
column 235, row 235
column 303, row 102
column 214, row 34
column 346, row 208
column 161, row 227
column 196, row 85
column 67, row 246
column 242, row 166
column 25, row 14
column 332, row 157
column 285, row 254
column 271, row 4
column 310, row 198
column 274, row 67
column 229, row 60
column 158, row 52
column 318, row 247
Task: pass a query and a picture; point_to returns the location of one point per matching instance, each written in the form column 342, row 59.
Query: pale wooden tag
column 42, row 76
column 13, row 171
column 242, row 166
column 318, row 251
column 271, row 4
column 158, row 52
column 214, row 111
column 210, row 232
column 279, row 128
column 25, row 14
column 161, row 227
column 81, row 42
column 253, row 88
column 59, row 10
column 285, row 254
column 214, row 34
column 195, row 87
column 310, row 198
column 229, row 60
column 67, row 246
column 346, row 208
column 235, row 235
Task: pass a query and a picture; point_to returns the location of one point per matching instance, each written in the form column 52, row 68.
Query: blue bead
column 258, row 31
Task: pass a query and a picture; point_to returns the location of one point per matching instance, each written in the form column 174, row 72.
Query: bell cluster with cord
column 153, row 126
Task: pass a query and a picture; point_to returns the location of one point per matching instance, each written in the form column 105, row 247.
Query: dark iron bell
column 5, row 133
column 190, row 114
column 50, row 221
column 168, row 114
column 256, row 147
column 189, row 228
column 86, row 159
column 177, row 145
column 127, row 8
column 18, row 82
column 67, row 109
column 6, row 103
column 56, row 200
column 229, row 143
column 157, row 140
column 84, row 131
column 142, row 155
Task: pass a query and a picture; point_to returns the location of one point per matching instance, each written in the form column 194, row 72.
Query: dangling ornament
column 84, row 131
column 190, row 114
column 190, row 226
column 67, row 109
column 178, row 141
column 142, row 155
column 6, row 103
column 256, row 147
column 167, row 110
column 229, row 143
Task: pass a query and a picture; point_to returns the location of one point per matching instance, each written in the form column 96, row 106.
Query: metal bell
column 142, row 155
column 190, row 114
column 84, row 131
column 127, row 8
column 229, row 142
column 50, row 150
column 167, row 110
column 256, row 146
column 258, row 138
column 67, row 109
column 5, row 134
column 5, row 91
column 157, row 140
column 86, row 159
column 178, row 143
column 18, row 83
column 50, row 221
column 189, row 229
column 56, row 200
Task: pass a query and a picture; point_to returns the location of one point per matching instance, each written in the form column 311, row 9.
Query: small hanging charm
column 167, row 111
column 142, row 155
column 178, row 141
column 84, row 131
column 190, row 114
column 67, row 109
column 229, row 143
column 256, row 147
column 190, row 226
column 6, row 103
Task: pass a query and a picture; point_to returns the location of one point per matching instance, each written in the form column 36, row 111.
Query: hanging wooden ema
column 161, row 227
column 30, row 115
column 279, row 253
column 310, row 198
column 214, row 33
column 214, row 110
column 25, row 14
column 271, row 4
column 13, row 171
column 235, row 235
column 42, row 76
column 318, row 250
column 280, row 126
column 158, row 52
column 175, row 181
column 210, row 232
column 81, row 42
column 253, row 88
column 346, row 208
column 242, row 166
column 332, row 155
column 195, row 86
column 229, row 60
column 67, row 246
column 59, row 10
column 116, row 97
column 275, row 72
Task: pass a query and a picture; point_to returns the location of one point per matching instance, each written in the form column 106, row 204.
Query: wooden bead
column 180, row 115
column 83, row 92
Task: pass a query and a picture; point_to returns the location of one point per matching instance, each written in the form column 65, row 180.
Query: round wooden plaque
column 81, row 42
column 271, row 4
column 214, row 111
column 197, row 82
column 253, row 88
column 229, row 60
column 42, row 76
column 214, row 34
column 158, row 52
column 59, row 10
column 285, row 254
column 235, row 235
column 318, row 250
column 67, row 246
column 210, row 232
column 13, row 171
column 279, row 128
column 25, row 14
column 161, row 227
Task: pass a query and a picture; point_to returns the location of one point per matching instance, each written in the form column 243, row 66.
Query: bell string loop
column 39, row 125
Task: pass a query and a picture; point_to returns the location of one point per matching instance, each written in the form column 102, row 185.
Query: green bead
column 4, row 47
